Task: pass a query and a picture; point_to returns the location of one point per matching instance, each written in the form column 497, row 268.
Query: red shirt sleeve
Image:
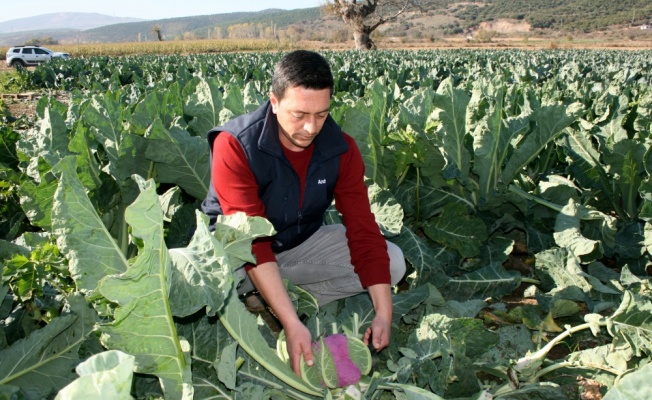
column 237, row 189
column 367, row 245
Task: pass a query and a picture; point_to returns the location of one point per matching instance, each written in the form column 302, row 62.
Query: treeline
column 198, row 27
column 141, row 31
column 42, row 41
column 270, row 24
column 568, row 15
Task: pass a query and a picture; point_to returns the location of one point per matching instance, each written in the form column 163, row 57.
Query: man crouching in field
column 286, row 162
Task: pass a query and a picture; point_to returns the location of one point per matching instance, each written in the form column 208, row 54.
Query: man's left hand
column 379, row 333
column 381, row 327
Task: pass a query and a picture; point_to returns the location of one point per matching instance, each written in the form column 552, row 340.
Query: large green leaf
column 560, row 272
column 631, row 241
column 414, row 111
column 422, row 257
column 492, row 142
column 452, row 108
column 406, row 301
column 180, row 159
column 626, row 163
column 416, row 393
column 233, row 100
column 50, row 140
column 203, row 103
column 584, row 159
column 236, row 232
column 614, row 107
column 568, row 234
column 585, row 165
column 242, row 325
column 8, row 141
column 240, row 98
column 143, row 324
column 451, row 339
column 420, row 199
column 513, row 342
column 253, row 96
column 227, row 367
column 209, row 341
column 357, row 315
column 490, row 281
column 457, row 229
column 615, row 359
column 367, row 123
column 43, row 363
column 162, row 104
column 387, row 212
column 105, row 115
column 36, row 200
column 466, row 334
column 633, row 386
column 81, row 235
column 85, row 146
column 643, row 121
column 53, row 137
column 549, row 122
column 633, row 324
column 107, row 375
column 202, row 274
column 207, row 338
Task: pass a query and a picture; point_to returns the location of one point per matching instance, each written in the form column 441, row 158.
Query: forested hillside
column 442, row 18
column 557, row 14
column 196, row 27
column 546, row 15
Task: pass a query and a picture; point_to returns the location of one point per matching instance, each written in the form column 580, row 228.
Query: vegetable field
column 517, row 183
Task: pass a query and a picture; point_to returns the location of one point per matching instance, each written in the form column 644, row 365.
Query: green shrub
column 12, row 82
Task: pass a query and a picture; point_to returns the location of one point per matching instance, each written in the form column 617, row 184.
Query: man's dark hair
column 302, row 68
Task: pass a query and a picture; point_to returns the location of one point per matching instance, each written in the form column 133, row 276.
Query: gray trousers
column 322, row 266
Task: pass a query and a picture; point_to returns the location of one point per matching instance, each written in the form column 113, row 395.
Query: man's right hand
column 267, row 279
column 299, row 343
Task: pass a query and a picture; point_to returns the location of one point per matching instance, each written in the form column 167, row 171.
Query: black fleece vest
column 278, row 183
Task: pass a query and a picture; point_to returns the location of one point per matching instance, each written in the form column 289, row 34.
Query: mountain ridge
column 172, row 28
column 63, row 20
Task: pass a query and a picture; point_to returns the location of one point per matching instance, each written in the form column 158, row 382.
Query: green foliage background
column 476, row 161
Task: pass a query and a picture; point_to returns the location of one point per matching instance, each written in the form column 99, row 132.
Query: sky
column 145, row 9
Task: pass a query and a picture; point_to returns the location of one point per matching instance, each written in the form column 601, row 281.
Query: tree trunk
column 363, row 39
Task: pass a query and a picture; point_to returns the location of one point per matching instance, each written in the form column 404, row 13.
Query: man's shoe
column 255, row 304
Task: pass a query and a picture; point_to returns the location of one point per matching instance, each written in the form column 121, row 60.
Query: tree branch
column 364, row 17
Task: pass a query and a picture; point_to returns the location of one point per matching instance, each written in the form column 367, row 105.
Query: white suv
column 23, row 56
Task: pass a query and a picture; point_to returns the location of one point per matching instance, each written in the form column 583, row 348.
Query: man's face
column 301, row 114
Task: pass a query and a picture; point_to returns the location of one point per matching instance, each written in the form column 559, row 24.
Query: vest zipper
column 285, row 208
column 299, row 222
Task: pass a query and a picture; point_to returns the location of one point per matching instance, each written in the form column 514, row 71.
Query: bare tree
column 365, row 16
column 156, row 30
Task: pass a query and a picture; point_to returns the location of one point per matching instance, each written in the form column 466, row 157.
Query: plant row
column 476, row 162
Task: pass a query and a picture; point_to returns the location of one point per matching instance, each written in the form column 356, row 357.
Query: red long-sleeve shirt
column 237, row 191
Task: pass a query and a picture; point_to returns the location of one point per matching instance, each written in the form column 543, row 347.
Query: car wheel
column 18, row 64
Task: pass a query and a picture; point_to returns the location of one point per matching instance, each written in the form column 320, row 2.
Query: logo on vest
column 321, row 181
